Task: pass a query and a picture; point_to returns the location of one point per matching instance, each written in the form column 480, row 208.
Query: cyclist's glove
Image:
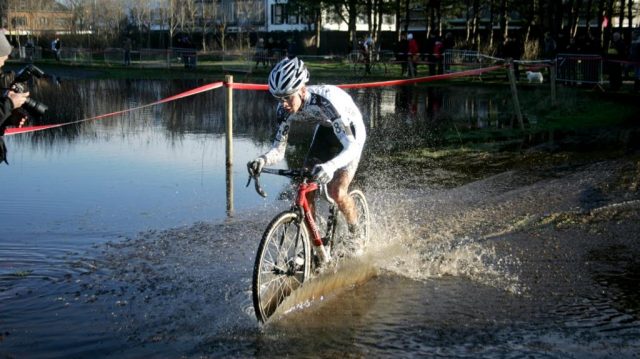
column 322, row 173
column 255, row 167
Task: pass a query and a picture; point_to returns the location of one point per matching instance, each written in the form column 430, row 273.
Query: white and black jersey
column 340, row 133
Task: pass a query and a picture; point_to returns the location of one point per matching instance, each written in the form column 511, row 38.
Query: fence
column 457, row 60
column 76, row 55
column 153, row 58
column 571, row 68
column 246, row 61
column 27, row 53
column 579, row 69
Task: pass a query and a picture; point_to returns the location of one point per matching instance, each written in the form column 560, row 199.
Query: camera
column 19, row 85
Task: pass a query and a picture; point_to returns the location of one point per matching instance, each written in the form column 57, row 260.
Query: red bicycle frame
column 303, row 203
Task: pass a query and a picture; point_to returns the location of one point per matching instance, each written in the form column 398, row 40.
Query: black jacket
column 6, row 106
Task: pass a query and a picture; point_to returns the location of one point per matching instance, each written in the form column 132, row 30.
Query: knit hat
column 5, row 47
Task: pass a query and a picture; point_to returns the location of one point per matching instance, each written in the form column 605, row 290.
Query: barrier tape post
column 229, row 143
column 514, row 94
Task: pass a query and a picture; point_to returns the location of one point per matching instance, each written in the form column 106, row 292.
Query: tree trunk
column 370, row 17
column 318, row 27
column 576, row 16
column 504, row 32
column 601, row 14
column 490, row 35
column 476, row 22
column 438, row 13
column 353, row 13
column 467, row 22
column 630, row 13
column 587, row 18
column 407, row 16
column 379, row 22
column 622, row 3
column 569, row 9
column 397, row 8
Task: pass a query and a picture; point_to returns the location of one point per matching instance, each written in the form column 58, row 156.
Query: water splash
column 330, row 283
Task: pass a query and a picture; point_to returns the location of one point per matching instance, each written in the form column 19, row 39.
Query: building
column 33, row 18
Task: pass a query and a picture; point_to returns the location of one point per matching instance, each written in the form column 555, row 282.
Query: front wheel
column 283, row 263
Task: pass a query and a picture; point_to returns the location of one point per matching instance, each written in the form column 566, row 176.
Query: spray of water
column 408, row 239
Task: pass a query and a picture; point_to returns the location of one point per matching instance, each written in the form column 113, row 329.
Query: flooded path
column 528, row 258
column 519, row 263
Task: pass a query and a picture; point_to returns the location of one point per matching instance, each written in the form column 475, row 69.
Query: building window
column 61, row 23
column 294, row 17
column 280, row 15
column 19, row 21
column 277, row 14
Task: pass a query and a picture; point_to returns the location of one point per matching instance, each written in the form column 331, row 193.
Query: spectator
column 292, row 48
column 573, row 47
column 511, row 51
column 591, row 45
column 438, row 54
column 561, row 43
column 29, row 50
column 10, row 102
column 549, row 46
column 401, row 54
column 367, row 50
column 431, row 60
column 261, row 55
column 127, row 51
column 412, row 55
column 55, row 47
column 448, row 44
column 271, row 47
column 616, row 53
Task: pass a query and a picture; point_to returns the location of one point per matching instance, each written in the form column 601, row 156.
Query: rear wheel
column 347, row 244
column 363, row 214
column 282, row 263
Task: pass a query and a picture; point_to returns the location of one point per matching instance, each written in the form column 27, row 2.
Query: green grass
column 590, row 114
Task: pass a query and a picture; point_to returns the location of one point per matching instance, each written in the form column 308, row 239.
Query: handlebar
column 303, row 174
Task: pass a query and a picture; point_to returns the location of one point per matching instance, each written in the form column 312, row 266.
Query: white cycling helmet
column 287, row 77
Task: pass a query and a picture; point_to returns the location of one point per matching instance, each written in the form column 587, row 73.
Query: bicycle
column 292, row 248
column 358, row 63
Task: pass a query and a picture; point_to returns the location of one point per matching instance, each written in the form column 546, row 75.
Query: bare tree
column 207, row 12
column 248, row 14
column 140, row 15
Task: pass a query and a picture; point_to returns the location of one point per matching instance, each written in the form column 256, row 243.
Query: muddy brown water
column 117, row 243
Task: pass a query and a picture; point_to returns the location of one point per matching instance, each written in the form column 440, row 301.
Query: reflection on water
column 161, row 166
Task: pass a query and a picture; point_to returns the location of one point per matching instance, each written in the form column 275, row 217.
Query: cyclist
column 338, row 139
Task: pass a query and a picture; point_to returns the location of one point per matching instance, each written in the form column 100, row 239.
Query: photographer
column 9, row 102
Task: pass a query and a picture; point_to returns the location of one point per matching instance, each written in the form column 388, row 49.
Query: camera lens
column 35, row 106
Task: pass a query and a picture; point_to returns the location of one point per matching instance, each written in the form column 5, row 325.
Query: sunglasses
column 288, row 99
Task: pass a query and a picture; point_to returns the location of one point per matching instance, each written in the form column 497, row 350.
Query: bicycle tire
column 342, row 245
column 277, row 272
column 362, row 207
